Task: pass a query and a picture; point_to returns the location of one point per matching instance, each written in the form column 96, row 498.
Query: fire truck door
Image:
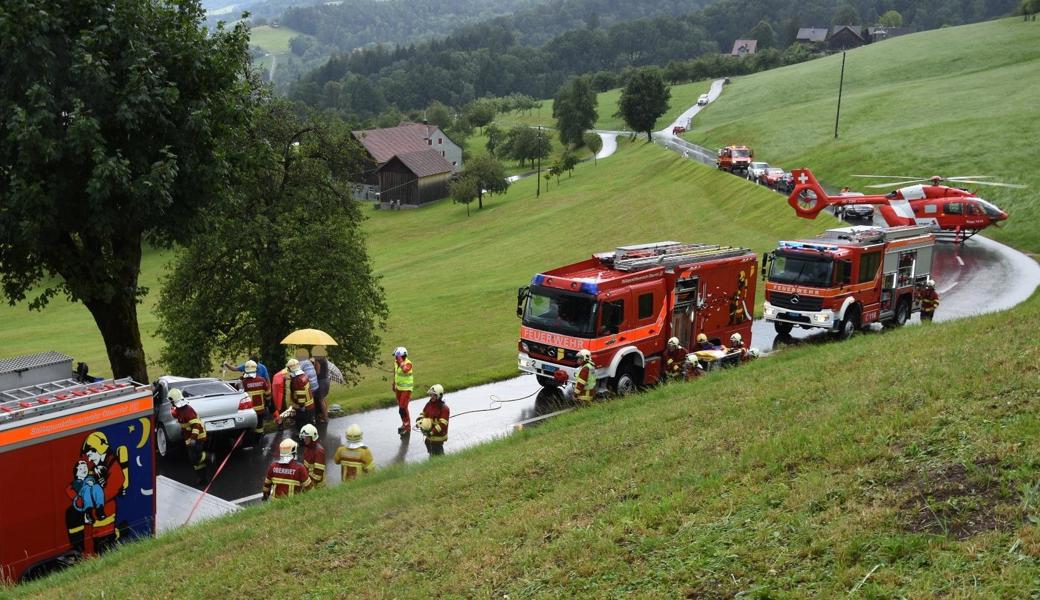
column 684, row 310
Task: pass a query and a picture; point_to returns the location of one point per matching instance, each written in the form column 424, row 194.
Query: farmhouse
column 424, row 156
column 845, row 37
column 414, row 178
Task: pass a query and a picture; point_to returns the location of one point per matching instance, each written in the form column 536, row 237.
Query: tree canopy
column 574, row 109
column 285, row 252
column 489, row 176
column 114, row 129
column 643, row 100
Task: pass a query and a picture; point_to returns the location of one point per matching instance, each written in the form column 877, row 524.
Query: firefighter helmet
column 754, row 353
column 930, row 282
column 96, row 441
column 177, row 398
column 736, row 339
column 673, row 342
column 701, row 338
column 584, row 355
column 354, row 433
column 286, row 451
column 250, row 368
column 436, row 390
column 309, row 432
column 425, row 424
column 400, row 351
column 293, row 366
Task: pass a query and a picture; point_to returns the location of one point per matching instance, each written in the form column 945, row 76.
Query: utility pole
column 841, row 84
column 538, row 177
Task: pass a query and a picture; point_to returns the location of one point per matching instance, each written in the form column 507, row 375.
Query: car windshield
column 557, row 311
column 775, row 171
column 741, row 153
column 202, row 388
column 760, row 165
column 801, row 270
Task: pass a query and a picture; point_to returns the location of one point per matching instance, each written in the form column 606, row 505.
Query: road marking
column 248, row 499
column 960, row 261
column 951, row 286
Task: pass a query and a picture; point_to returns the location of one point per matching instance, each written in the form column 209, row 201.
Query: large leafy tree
column 643, row 100
column 113, row 122
column 489, row 176
column 287, row 252
column 574, row 109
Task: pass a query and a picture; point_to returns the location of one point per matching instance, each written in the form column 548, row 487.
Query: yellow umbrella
column 309, row 337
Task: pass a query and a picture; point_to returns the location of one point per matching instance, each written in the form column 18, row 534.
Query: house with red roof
column 412, row 163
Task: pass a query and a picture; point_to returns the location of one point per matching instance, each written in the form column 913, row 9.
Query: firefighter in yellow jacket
column 354, row 458
column 585, row 378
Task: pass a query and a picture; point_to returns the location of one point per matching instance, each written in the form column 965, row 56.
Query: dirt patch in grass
column 956, row 500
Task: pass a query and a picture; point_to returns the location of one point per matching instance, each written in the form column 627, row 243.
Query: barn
column 414, row 178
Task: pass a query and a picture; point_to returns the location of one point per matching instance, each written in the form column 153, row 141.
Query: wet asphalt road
column 976, row 277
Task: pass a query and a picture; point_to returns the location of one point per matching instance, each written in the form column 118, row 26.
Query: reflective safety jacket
column 314, row 460
column 585, row 383
column 353, row 461
column 929, row 300
column 301, row 392
column 438, row 412
column 258, row 390
column 286, row 479
column 674, row 360
column 191, row 426
column 404, row 379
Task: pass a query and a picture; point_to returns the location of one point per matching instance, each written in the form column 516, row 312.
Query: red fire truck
column 734, row 159
column 77, row 462
column 847, row 278
column 624, row 305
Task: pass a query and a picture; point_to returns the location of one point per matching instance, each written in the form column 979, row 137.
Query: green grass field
column 683, row 97
column 272, row 39
column 822, row 472
column 955, row 101
column 476, row 145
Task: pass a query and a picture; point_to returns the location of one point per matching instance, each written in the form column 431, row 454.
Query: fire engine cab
column 734, row 158
column 847, row 278
column 623, row 306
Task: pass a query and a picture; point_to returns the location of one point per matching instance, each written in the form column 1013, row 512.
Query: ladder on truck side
column 866, row 234
column 54, row 396
column 668, row 255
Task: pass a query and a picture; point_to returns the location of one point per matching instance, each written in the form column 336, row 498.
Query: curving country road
column 973, row 278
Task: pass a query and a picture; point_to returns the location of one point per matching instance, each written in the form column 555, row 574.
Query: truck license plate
column 548, row 369
column 221, row 424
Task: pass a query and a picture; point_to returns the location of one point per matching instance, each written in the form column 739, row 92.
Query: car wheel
column 783, row 328
column 162, row 445
column 902, row 313
column 547, row 382
column 849, row 324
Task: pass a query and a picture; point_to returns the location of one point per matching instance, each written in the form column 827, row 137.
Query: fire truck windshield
column 741, row 153
column 561, row 312
column 801, row 270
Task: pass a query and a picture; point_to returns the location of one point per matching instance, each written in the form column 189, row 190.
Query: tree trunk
column 649, row 136
column 272, row 353
column 480, row 199
column 117, row 320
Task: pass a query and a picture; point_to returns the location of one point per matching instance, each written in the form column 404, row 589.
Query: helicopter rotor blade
column 896, row 184
column 1015, row 186
column 969, row 177
column 892, row 177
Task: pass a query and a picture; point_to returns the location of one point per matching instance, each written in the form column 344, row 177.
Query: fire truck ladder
column 865, row 234
column 43, row 398
column 670, row 255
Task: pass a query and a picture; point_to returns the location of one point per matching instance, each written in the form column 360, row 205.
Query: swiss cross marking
column 802, row 179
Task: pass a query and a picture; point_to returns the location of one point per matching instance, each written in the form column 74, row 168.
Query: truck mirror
column 521, row 297
column 765, row 261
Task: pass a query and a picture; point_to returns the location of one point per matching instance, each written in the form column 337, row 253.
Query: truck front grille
column 795, row 301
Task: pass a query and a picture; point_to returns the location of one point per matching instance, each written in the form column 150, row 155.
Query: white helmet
column 354, row 436
column 400, row 351
column 754, row 352
column 249, row 370
column 930, row 282
column 673, row 342
column 177, row 398
column 701, row 338
column 736, row 339
column 584, row 355
column 293, row 366
column 436, row 390
column 309, row 431
column 286, row 451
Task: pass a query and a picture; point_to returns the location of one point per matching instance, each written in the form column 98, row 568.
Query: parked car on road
column 773, row 176
column 756, row 171
column 702, row 100
column 221, row 407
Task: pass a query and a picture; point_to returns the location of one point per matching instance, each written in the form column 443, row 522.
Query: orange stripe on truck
column 84, row 419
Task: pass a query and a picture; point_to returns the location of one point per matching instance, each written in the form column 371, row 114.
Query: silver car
column 756, row 171
column 221, row 407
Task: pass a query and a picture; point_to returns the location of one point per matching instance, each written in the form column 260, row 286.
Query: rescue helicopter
column 955, row 214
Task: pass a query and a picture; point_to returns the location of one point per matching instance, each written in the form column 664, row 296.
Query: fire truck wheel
column 902, row 313
column 547, row 382
column 783, row 328
column 626, row 380
column 849, row 324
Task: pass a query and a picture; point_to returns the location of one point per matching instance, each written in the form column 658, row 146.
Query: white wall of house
column 448, row 149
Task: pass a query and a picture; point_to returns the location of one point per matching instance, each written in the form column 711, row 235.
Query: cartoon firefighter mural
column 99, row 475
column 738, row 311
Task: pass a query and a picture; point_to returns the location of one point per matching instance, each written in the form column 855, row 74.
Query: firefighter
column 585, row 378
column 259, row 392
column 355, row 457
column 736, row 344
column 110, row 467
column 193, row 432
column 299, row 387
column 404, row 382
column 737, row 314
column 675, row 365
column 434, row 420
column 286, row 476
column 704, row 344
column 313, row 455
column 929, row 300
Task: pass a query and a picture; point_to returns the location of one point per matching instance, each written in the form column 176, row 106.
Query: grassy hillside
column 811, row 474
column 955, row 101
column 272, row 39
column 451, row 280
column 683, row 97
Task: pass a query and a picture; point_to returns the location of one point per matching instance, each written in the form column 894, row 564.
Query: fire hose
column 214, row 478
column 496, row 404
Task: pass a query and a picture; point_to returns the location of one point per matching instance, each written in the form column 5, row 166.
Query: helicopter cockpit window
column 953, row 208
column 990, row 209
